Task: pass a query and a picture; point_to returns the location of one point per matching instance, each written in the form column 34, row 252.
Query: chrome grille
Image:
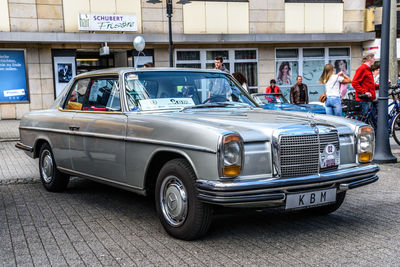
column 299, row 154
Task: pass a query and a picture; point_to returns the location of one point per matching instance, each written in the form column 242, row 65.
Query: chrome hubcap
column 173, row 201
column 47, row 167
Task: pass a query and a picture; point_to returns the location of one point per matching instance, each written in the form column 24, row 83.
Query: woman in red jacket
column 272, row 88
column 364, row 84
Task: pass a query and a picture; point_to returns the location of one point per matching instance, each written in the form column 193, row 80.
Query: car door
column 99, row 130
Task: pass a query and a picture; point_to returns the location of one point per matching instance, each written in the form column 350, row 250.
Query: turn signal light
column 231, row 171
column 365, row 157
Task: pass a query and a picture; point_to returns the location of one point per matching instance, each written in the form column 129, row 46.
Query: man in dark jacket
column 299, row 92
column 364, row 84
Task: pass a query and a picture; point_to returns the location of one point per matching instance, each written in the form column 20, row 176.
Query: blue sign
column 13, row 86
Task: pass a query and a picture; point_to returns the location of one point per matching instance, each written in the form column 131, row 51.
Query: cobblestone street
column 93, row 224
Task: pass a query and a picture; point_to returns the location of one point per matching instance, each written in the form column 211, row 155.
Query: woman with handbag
column 332, row 81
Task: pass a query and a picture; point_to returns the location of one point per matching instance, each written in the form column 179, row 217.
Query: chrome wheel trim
column 46, row 167
column 173, row 201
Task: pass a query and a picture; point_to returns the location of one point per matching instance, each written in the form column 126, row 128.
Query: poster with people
column 64, row 72
column 341, row 65
column 286, row 72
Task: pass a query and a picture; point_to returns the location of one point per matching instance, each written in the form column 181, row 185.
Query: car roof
column 117, row 71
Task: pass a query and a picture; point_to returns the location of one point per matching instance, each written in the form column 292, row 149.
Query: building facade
column 44, row 43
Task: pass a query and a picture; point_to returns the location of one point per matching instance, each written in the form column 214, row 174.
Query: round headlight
column 232, row 153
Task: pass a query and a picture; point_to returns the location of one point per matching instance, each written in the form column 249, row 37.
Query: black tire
column 325, row 210
column 52, row 179
column 396, row 129
column 182, row 215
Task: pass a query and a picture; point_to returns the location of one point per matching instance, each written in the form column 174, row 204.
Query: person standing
column 272, row 88
column 364, row 84
column 299, row 92
column 332, row 81
column 241, row 79
column 376, row 68
column 219, row 64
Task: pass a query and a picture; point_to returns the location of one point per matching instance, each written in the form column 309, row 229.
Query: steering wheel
column 216, row 98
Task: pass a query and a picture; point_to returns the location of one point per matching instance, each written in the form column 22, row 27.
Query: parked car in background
column 279, row 102
column 194, row 139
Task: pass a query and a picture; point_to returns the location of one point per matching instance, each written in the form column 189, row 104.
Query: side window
column 77, row 95
column 102, row 95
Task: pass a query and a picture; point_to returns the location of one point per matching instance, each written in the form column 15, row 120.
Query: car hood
column 252, row 124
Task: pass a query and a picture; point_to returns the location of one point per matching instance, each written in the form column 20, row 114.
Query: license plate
column 309, row 199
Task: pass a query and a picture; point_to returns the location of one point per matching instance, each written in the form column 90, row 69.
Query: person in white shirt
column 332, row 81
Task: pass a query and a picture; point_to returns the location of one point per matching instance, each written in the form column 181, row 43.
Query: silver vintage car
column 195, row 139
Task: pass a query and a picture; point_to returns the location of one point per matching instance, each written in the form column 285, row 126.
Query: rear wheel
column 52, row 179
column 182, row 215
column 396, row 128
column 325, row 210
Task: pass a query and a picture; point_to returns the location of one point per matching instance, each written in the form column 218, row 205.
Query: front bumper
column 272, row 192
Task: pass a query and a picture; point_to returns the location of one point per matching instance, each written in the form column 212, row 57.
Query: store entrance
column 89, row 61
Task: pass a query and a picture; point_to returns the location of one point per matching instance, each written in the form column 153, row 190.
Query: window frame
column 63, row 107
column 231, row 52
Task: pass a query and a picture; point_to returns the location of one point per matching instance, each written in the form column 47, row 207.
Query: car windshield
column 263, row 99
column 155, row 90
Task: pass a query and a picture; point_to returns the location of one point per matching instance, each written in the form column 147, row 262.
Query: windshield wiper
column 215, row 105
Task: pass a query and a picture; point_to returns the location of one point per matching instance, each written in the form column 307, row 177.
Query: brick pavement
column 9, row 130
column 93, row 224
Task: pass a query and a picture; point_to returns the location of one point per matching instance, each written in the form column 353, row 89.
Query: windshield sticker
column 165, row 103
column 131, row 77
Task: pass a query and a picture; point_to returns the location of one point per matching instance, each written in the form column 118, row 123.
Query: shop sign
column 13, row 86
column 375, row 48
column 104, row 22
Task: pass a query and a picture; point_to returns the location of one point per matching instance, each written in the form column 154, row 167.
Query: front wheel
column 182, row 215
column 396, row 128
column 52, row 179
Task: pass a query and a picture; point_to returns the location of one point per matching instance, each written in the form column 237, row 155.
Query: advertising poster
column 341, row 65
column 64, row 71
column 13, row 82
column 286, row 72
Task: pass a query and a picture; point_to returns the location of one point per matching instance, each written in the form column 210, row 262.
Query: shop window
column 341, row 52
column 313, row 52
column 308, row 63
column 212, row 54
column 192, row 66
column 245, row 54
column 287, row 53
column 235, row 60
column 313, row 1
column 188, row 55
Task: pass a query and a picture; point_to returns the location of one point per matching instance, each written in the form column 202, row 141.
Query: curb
column 10, row 140
column 19, row 181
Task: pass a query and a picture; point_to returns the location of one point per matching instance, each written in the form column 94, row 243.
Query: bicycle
column 372, row 115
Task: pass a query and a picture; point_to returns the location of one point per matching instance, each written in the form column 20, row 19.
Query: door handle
column 74, row 128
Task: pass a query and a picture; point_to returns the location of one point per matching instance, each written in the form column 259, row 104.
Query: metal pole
column 383, row 153
column 171, row 45
column 393, row 44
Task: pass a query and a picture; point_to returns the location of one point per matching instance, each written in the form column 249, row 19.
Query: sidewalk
column 17, row 167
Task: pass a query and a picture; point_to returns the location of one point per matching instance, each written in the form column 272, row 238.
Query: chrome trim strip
column 89, row 111
column 24, row 147
column 100, row 179
column 336, row 176
column 123, row 138
column 170, row 144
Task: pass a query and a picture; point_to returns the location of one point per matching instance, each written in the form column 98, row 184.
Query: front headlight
column 365, row 144
column 230, row 155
